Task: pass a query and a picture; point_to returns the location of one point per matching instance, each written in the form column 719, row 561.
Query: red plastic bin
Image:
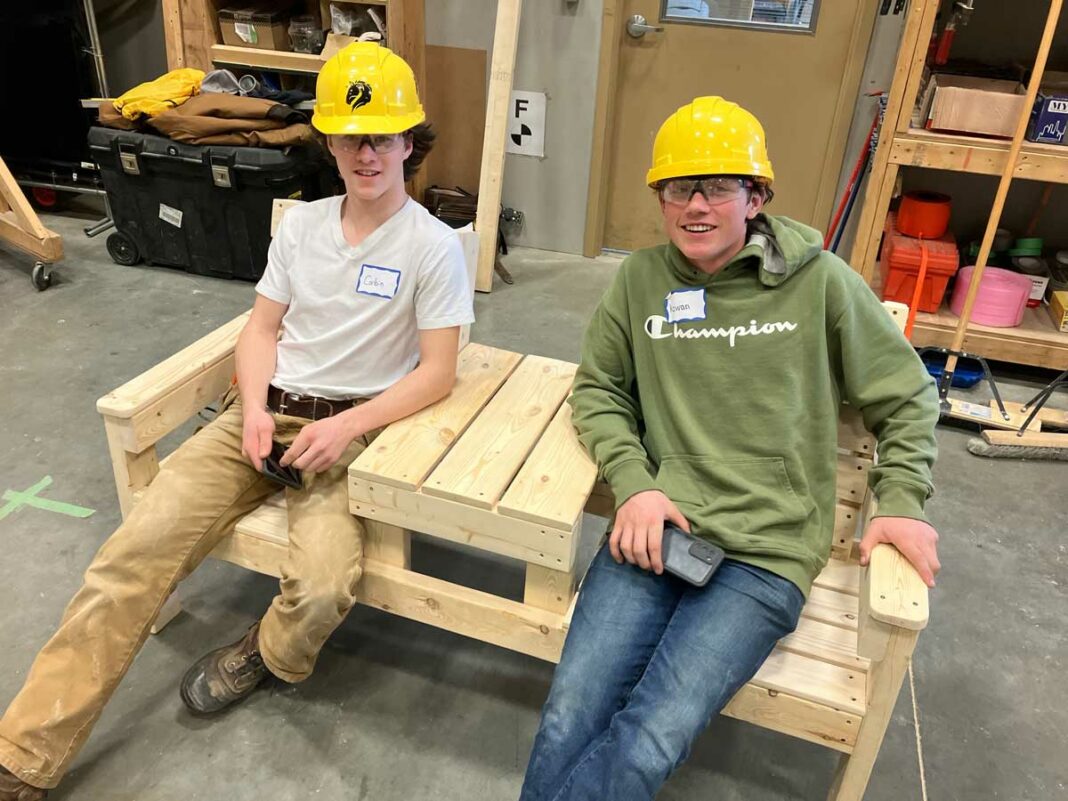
column 900, row 264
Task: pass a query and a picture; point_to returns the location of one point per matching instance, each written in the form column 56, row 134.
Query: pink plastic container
column 1002, row 297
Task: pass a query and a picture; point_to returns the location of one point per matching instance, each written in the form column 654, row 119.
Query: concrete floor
column 398, row 710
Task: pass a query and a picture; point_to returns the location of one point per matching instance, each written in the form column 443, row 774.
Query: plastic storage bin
column 206, row 210
column 900, row 265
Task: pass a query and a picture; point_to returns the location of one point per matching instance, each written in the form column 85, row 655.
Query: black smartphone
column 688, row 557
column 288, row 476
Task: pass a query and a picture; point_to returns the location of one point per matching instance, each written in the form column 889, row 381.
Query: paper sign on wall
column 526, row 124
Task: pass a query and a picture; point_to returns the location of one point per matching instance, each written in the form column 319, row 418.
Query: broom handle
column 1006, row 178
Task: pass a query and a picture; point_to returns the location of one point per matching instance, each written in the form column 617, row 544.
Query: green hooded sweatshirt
column 723, row 391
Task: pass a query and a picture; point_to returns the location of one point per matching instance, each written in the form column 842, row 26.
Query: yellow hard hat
column 366, row 89
column 710, row 136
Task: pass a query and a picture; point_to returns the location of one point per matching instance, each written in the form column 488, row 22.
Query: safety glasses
column 380, row 143
column 714, row 189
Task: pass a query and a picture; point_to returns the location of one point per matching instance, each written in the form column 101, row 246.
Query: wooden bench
column 496, row 466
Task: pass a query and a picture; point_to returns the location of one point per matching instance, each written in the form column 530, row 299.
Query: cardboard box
column 264, row 25
column 1058, row 309
column 1049, row 117
column 963, row 104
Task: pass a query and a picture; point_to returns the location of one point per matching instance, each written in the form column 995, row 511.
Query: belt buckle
column 283, row 404
column 315, row 407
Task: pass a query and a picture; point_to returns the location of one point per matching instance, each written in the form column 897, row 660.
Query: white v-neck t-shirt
column 354, row 316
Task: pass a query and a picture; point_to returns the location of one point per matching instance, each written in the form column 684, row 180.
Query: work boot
column 12, row 788
column 224, row 676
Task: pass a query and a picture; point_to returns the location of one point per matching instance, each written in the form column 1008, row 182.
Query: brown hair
column 422, row 138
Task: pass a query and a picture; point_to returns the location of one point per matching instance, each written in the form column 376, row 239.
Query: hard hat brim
column 685, row 169
column 356, row 124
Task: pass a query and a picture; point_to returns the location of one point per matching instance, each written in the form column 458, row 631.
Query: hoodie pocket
column 749, row 497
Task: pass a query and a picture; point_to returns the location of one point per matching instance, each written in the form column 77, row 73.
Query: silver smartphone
column 688, row 557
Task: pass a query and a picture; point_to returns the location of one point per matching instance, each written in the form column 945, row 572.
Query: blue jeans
column 648, row 662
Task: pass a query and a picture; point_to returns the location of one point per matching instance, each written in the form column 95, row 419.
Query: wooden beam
column 133, row 471
column 549, row 589
column 173, row 35
column 19, row 223
column 502, row 69
column 884, row 684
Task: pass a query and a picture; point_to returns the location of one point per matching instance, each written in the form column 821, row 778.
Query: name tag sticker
column 685, row 304
column 382, row 282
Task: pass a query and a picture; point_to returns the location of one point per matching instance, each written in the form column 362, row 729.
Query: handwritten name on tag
column 382, row 282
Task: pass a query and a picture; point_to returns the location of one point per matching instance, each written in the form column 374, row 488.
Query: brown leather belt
column 309, row 407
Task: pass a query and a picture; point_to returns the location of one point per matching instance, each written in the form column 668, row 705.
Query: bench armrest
column 153, row 404
column 896, row 595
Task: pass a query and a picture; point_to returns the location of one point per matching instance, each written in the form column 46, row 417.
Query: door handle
column 637, row 27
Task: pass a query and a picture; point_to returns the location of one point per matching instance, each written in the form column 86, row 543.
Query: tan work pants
column 196, row 499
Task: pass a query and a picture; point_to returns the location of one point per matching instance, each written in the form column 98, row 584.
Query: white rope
column 919, row 738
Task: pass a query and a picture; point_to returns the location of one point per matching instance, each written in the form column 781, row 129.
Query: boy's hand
column 638, row 531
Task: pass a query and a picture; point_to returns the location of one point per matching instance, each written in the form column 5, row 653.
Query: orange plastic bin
column 900, row 264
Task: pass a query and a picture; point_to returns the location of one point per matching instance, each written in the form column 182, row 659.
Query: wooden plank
column 931, row 150
column 171, row 608
column 813, row 680
column 852, row 435
column 491, row 176
column 1035, row 342
column 281, row 60
column 556, row 479
column 896, row 593
column 22, row 215
column 455, row 608
column 159, row 381
column 163, row 416
column 829, row 606
column 549, row 589
column 48, row 249
column 200, row 30
column 389, row 545
column 603, row 114
column 133, row 471
column 467, row 525
column 1030, row 439
column 279, row 206
column 787, row 714
column 841, row 576
column 487, row 457
column 462, row 610
column 845, row 528
column 852, row 478
column 824, row 642
column 173, row 37
column 884, row 682
column 408, row 450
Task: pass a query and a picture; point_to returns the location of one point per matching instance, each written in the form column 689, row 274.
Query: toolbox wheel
column 41, row 276
column 123, row 250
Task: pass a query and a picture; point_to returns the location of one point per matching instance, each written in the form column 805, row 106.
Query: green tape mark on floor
column 16, row 500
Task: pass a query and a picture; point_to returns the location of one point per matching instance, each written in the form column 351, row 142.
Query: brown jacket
column 223, row 119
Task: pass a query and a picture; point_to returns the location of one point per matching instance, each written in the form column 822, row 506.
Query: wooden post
column 502, row 68
column 884, row 684
column 19, row 223
column 173, row 35
column 549, row 589
column 133, row 471
column 390, row 545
